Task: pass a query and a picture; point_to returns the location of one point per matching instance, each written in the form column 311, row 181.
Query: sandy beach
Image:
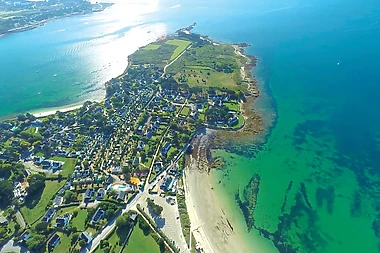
column 212, row 229
column 53, row 111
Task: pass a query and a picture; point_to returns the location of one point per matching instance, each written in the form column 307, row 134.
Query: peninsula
column 17, row 16
column 117, row 175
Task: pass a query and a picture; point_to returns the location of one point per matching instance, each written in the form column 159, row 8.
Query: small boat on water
column 55, row 75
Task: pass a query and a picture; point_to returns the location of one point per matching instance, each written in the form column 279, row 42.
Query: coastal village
column 102, row 177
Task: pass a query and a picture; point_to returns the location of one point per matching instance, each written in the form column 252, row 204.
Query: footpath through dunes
column 211, row 228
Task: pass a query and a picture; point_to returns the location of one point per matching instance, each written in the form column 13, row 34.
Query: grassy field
column 78, row 221
column 240, row 122
column 35, row 206
column 64, row 244
column 215, row 66
column 151, row 47
column 232, row 106
column 138, row 243
column 185, row 111
column 205, row 77
column 113, row 242
column 181, row 45
column 68, row 166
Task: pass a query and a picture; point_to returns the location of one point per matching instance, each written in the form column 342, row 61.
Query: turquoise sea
column 318, row 160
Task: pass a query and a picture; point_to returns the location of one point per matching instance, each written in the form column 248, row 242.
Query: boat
column 55, row 75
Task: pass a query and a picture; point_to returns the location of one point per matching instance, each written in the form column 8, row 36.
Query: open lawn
column 181, row 45
column 78, row 221
column 64, row 244
column 114, row 243
column 185, row 111
column 68, row 166
column 232, row 106
column 240, row 122
column 196, row 76
column 151, row 47
column 138, row 242
column 35, row 206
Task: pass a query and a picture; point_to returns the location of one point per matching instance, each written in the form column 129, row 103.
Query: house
column 89, row 193
column 122, row 195
column 174, row 169
column 165, row 148
column 3, row 220
column 99, row 214
column 54, row 240
column 56, row 165
column 141, row 173
column 141, row 145
column 133, row 216
column 116, row 170
column 63, row 221
column 100, row 193
column 232, row 121
column 48, row 215
column 140, row 130
column 85, row 237
column 167, row 184
column 38, row 160
column 136, row 161
column 24, row 236
column 58, row 200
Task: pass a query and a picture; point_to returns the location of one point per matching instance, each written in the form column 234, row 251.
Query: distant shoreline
column 45, row 21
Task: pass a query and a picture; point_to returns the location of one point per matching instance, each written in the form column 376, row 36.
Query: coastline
column 45, row 21
column 216, row 221
column 43, row 113
column 213, row 230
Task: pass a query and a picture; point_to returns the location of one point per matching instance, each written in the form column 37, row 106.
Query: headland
column 152, row 134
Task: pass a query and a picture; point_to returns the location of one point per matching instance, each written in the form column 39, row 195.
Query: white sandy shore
column 212, row 229
column 53, row 111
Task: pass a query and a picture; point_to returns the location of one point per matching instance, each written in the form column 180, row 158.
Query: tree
column 144, row 226
column 6, row 192
column 35, row 242
column 74, row 238
column 41, row 227
column 36, row 183
column 82, row 243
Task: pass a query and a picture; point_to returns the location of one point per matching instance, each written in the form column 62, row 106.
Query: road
column 167, row 65
column 20, row 220
column 109, row 227
column 12, row 246
column 141, row 197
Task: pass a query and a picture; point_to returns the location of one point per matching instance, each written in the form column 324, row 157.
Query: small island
column 120, row 162
column 17, row 16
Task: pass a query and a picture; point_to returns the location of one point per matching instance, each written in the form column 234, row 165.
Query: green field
column 185, row 111
column 151, row 47
column 181, row 45
column 204, row 77
column 114, row 242
column 68, row 166
column 78, row 221
column 35, row 206
column 138, row 242
column 64, row 244
column 232, row 106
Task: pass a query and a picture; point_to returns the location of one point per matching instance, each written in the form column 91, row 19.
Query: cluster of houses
column 47, row 164
column 19, row 191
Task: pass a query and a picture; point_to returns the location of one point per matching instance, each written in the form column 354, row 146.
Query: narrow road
column 20, row 220
column 167, row 65
column 109, row 227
